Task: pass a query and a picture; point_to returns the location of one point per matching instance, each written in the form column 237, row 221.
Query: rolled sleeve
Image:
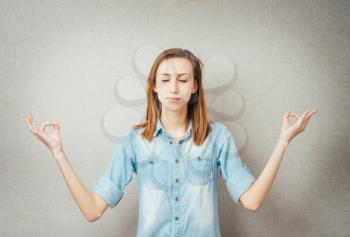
column 236, row 175
column 118, row 174
column 105, row 187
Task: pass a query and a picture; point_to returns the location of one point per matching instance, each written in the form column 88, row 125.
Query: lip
column 173, row 98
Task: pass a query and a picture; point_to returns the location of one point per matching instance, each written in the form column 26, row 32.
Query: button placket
column 176, row 188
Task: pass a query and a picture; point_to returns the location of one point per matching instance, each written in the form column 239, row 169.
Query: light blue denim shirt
column 176, row 181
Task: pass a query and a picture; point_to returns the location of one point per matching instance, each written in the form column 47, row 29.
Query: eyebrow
column 180, row 74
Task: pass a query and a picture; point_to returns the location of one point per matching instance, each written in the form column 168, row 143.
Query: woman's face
column 175, row 83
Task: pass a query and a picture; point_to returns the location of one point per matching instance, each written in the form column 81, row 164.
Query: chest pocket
column 199, row 170
column 152, row 173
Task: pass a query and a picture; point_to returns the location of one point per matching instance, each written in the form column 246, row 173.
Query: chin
column 175, row 107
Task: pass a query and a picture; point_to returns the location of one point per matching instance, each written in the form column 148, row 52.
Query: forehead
column 175, row 65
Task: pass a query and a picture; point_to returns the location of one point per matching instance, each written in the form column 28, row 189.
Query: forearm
column 81, row 195
column 257, row 193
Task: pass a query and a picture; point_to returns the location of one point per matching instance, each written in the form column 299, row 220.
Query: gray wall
column 82, row 63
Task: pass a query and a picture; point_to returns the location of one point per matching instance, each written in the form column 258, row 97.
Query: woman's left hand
column 288, row 131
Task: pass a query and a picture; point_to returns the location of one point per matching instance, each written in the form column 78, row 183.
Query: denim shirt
column 176, row 180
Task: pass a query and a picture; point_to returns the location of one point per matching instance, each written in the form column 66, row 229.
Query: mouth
column 173, row 99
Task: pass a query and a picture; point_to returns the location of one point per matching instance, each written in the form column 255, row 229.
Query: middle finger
column 308, row 116
column 311, row 112
column 304, row 114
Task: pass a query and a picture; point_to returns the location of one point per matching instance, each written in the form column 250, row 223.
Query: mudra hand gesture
column 52, row 141
column 288, row 131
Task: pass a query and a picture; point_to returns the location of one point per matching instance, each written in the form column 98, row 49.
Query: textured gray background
column 61, row 59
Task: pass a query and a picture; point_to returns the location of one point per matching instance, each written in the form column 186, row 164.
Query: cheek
column 160, row 88
column 187, row 91
column 161, row 94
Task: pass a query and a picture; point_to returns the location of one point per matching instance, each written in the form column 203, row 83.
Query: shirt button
column 180, row 142
column 171, row 142
column 176, row 218
column 151, row 162
column 176, row 180
column 177, row 160
column 176, row 199
column 198, row 157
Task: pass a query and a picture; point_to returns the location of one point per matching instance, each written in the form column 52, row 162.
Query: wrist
column 58, row 153
column 283, row 141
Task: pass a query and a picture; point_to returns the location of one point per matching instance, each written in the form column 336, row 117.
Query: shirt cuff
column 238, row 184
column 108, row 191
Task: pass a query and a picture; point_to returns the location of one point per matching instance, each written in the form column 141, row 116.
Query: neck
column 174, row 121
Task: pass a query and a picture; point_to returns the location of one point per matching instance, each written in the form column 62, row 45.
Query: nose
column 174, row 87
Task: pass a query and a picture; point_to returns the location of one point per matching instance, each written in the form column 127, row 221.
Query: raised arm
column 253, row 198
column 90, row 204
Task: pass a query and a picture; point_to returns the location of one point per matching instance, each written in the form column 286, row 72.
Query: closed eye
column 183, row 81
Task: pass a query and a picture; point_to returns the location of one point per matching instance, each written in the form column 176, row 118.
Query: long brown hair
column 196, row 109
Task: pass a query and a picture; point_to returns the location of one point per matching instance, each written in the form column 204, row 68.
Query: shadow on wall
column 219, row 76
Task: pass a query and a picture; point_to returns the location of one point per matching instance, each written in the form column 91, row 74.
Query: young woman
column 175, row 154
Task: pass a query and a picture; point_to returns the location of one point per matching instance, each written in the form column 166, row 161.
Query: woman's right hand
column 51, row 141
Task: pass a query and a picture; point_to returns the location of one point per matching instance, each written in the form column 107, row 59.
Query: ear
column 155, row 85
column 195, row 87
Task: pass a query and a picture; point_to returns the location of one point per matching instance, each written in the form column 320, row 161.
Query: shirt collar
column 159, row 127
